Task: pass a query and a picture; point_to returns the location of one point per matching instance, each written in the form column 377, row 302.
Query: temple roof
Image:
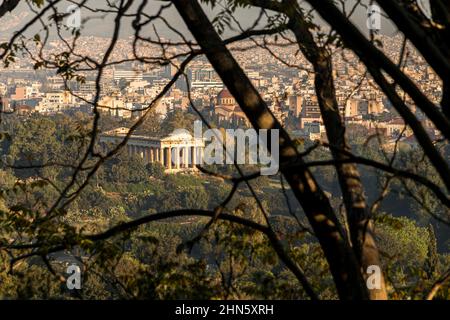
column 177, row 135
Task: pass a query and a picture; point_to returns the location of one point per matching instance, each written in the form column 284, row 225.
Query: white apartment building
column 128, row 75
column 54, row 102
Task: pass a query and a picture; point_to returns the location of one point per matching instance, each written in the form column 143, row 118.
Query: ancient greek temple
column 179, row 151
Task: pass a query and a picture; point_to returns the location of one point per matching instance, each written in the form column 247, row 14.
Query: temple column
column 178, row 158
column 161, row 156
column 199, row 154
column 169, row 158
column 151, row 155
column 193, row 156
column 186, row 156
column 148, row 159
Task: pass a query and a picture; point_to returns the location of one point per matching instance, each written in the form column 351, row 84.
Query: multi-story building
column 54, row 102
column 295, row 105
column 128, row 75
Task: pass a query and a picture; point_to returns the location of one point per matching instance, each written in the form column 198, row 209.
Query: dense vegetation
column 166, row 259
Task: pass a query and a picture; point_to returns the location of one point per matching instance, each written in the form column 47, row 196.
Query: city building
column 128, row 75
column 227, row 110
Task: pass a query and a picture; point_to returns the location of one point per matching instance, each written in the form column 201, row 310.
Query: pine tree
column 431, row 264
